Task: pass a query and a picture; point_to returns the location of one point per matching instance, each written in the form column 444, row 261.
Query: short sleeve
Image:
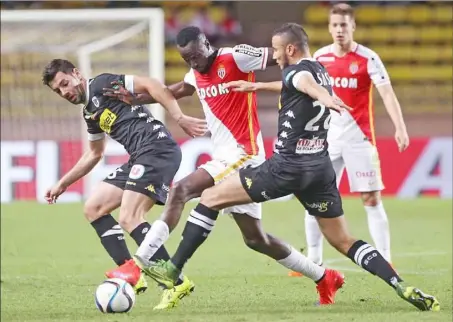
column 94, row 131
column 189, row 78
column 106, row 80
column 377, row 71
column 292, row 76
column 249, row 58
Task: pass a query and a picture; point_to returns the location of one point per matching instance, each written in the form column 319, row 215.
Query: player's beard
column 81, row 94
column 285, row 62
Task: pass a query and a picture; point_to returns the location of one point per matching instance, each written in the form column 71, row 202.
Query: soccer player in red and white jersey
column 354, row 69
column 236, row 136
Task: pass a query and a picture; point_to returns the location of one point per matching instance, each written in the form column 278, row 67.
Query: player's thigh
column 363, row 167
column 134, row 206
column 221, row 170
column 267, row 181
column 229, row 192
column 338, row 166
column 320, row 196
column 104, row 199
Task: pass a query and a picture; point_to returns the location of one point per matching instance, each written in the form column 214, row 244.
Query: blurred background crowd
column 414, row 39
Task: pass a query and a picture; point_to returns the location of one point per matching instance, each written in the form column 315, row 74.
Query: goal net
column 42, row 134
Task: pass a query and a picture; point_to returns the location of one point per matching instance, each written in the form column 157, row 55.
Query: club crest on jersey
column 221, row 72
column 354, row 67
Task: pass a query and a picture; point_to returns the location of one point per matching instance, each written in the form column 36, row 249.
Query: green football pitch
column 52, row 262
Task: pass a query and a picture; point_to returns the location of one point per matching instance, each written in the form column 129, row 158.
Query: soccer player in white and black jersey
column 301, row 163
column 144, row 180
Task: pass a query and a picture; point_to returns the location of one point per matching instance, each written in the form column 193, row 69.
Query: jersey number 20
column 311, row 124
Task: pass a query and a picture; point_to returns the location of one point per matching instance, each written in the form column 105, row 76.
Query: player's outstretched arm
column 119, row 92
column 305, row 82
column 393, row 108
column 191, row 125
column 244, row 86
column 85, row 164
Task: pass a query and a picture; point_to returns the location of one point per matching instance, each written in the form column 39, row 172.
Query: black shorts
column 313, row 182
column 149, row 172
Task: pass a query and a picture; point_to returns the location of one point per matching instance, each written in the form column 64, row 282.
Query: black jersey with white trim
column 134, row 127
column 303, row 122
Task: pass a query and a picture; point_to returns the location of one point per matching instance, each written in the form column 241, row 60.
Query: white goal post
column 120, row 41
column 153, row 17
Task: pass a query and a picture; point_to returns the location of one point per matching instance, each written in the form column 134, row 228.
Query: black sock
column 138, row 235
column 199, row 224
column 366, row 256
column 112, row 238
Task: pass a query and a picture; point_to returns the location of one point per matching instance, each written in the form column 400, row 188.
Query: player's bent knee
column 210, row 197
column 257, row 243
column 182, row 191
column 371, row 199
column 93, row 211
column 129, row 219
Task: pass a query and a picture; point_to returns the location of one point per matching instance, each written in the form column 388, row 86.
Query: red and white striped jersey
column 352, row 77
column 231, row 116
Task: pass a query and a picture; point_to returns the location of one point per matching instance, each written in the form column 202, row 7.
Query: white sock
column 299, row 263
column 314, row 239
column 154, row 239
column 378, row 225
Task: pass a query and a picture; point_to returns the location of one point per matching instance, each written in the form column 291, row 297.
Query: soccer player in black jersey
column 300, row 165
column 138, row 184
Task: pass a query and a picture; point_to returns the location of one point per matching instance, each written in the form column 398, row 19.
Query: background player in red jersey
column 237, row 143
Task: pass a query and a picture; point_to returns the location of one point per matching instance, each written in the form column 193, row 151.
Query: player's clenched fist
column 53, row 193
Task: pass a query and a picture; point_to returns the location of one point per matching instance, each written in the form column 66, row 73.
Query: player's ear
column 290, row 49
column 76, row 72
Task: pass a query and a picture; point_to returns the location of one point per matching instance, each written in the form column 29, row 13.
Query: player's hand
column 402, row 139
column 336, row 104
column 53, row 193
column 119, row 92
column 241, row 86
column 193, row 126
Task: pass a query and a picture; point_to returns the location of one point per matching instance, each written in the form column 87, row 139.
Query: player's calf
column 97, row 211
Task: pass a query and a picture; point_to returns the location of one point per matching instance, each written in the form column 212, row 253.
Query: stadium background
column 413, row 39
column 51, row 259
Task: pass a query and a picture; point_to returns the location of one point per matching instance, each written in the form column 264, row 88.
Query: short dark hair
column 342, row 9
column 55, row 66
column 294, row 33
column 187, row 34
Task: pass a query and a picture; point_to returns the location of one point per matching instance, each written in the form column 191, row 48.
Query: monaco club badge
column 221, row 71
column 354, row 67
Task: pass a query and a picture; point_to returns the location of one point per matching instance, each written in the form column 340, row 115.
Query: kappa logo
column 248, row 182
column 221, row 72
column 151, row 188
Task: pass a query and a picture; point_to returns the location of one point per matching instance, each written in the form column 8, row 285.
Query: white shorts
column 222, row 169
column 361, row 160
